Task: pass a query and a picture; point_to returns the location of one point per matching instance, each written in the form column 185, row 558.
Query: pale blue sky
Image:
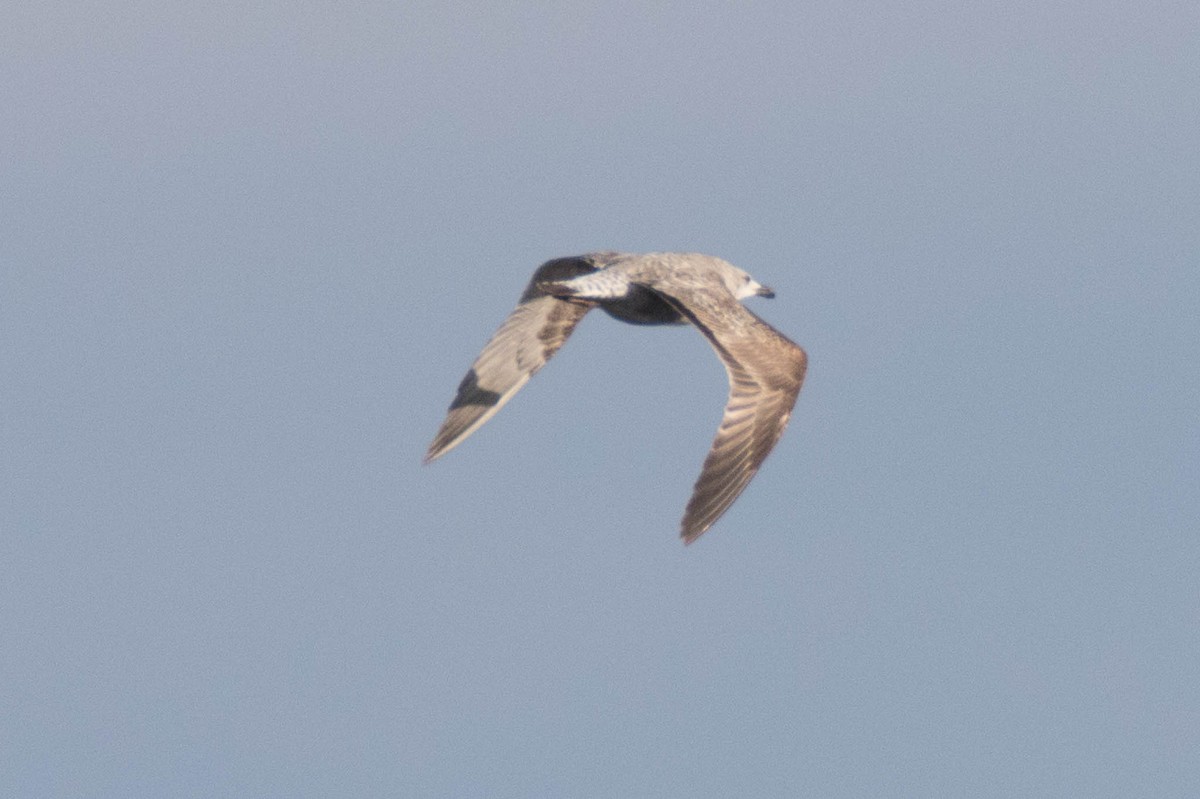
column 246, row 254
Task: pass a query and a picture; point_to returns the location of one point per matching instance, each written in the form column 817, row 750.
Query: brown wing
column 530, row 335
column 765, row 371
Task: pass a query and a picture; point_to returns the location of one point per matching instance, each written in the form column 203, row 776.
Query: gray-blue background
column 248, row 250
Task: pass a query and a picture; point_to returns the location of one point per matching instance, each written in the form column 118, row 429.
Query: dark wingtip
column 437, row 449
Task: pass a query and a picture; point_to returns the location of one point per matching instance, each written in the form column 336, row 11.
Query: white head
column 741, row 285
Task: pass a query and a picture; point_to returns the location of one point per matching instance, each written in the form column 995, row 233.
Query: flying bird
column 765, row 368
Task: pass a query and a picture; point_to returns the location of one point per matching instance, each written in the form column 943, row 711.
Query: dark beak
column 766, row 291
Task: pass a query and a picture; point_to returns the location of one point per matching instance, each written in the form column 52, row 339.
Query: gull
column 765, row 368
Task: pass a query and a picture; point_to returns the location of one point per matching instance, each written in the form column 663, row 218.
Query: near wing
column 765, row 371
column 532, row 333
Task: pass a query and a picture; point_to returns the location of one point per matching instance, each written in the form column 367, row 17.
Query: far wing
column 530, row 335
column 765, row 372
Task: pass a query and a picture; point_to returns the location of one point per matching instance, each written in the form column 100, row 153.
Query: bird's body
column 765, row 368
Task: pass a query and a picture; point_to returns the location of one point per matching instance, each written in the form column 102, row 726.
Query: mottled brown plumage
column 530, row 335
column 765, row 368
